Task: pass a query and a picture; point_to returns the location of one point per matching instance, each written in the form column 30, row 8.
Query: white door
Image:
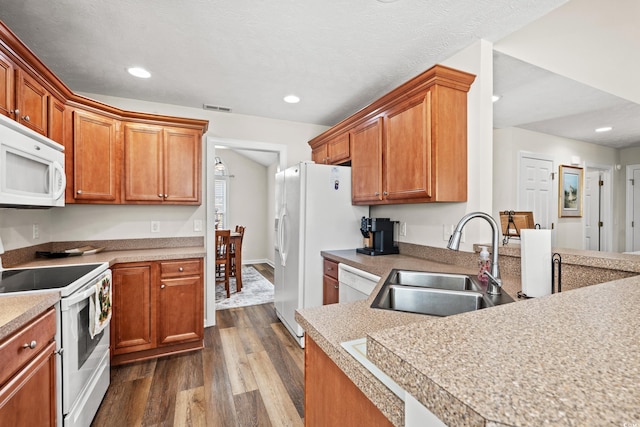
column 592, row 210
column 535, row 189
column 632, row 223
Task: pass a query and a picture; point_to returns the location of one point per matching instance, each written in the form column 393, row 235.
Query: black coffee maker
column 378, row 232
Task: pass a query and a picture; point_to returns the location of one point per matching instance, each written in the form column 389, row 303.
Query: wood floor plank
column 224, row 319
column 219, row 402
column 133, row 371
column 281, row 410
column 112, row 412
column 240, row 317
column 292, row 346
column 251, row 410
column 190, row 410
column 240, row 373
column 250, row 340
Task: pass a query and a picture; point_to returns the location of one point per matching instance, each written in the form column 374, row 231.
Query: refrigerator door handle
column 283, row 251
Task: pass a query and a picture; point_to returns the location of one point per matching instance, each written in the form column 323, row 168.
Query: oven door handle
column 65, row 303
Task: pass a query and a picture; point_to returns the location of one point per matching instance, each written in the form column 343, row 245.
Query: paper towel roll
column 535, row 258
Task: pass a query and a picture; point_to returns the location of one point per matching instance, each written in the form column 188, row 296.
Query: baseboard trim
column 257, row 261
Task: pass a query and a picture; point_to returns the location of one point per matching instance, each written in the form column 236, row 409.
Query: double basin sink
column 435, row 294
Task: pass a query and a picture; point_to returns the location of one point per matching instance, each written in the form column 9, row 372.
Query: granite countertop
column 16, row 311
column 566, row 359
column 333, row 324
column 120, row 256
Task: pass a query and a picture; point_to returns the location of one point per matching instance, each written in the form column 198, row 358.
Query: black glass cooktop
column 38, row 279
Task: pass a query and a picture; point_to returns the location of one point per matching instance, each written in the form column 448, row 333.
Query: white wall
column 425, row 221
column 248, row 202
column 508, row 143
column 565, row 42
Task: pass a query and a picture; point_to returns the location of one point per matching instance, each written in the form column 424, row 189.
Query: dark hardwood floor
column 250, row 373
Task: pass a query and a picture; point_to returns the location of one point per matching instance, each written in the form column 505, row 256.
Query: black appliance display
column 381, row 230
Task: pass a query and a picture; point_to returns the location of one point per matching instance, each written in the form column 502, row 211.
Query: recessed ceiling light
column 494, row 98
column 291, row 99
column 604, row 129
column 139, row 72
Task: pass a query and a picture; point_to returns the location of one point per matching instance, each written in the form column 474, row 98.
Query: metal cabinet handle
column 16, row 111
column 385, row 193
column 166, row 195
column 160, row 195
column 161, row 286
column 329, row 268
column 79, row 192
column 30, row 345
column 335, row 286
column 376, row 193
column 26, row 118
column 180, row 269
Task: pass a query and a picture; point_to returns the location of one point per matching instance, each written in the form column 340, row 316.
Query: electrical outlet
column 403, row 229
column 36, row 232
column 155, row 226
column 447, row 231
column 197, row 225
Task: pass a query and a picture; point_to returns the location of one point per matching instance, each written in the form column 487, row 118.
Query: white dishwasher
column 354, row 284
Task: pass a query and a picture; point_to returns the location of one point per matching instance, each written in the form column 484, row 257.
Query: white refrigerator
column 313, row 213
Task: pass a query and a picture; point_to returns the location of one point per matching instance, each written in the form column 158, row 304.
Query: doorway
column 211, row 143
column 632, row 243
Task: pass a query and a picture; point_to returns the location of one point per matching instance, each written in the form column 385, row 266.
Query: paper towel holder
column 556, row 263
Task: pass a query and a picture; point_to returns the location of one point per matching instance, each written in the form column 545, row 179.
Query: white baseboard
column 257, row 261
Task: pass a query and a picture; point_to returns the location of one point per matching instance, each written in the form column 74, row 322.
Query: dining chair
column 223, row 257
column 236, row 248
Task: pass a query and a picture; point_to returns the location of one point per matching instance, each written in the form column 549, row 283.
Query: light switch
column 155, row 226
column 197, row 225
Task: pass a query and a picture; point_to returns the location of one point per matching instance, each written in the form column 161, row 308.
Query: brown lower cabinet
column 28, row 375
column 331, row 398
column 330, row 285
column 158, row 309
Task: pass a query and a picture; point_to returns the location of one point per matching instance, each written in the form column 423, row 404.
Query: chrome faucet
column 495, row 283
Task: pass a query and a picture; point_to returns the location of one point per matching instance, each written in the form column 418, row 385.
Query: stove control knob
column 30, row 345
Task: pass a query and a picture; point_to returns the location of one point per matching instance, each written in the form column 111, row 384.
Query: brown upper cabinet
column 95, row 140
column 162, row 164
column 6, row 86
column 94, row 160
column 410, row 146
column 336, row 151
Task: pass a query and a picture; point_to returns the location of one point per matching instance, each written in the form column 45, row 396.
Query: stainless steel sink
column 435, row 294
column 454, row 282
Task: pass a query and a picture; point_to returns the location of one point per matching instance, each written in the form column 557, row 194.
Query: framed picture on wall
column 570, row 191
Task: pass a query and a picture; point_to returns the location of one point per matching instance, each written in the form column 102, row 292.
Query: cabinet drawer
column 330, row 268
column 187, row 267
column 15, row 351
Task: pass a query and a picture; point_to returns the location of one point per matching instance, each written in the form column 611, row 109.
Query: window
column 221, row 194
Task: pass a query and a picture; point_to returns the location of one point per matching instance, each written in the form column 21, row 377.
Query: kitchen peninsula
column 566, row 359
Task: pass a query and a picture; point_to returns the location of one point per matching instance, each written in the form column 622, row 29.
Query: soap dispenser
column 483, row 265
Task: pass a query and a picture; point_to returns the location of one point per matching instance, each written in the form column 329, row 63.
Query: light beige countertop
column 120, row 256
column 566, row 359
column 18, row 310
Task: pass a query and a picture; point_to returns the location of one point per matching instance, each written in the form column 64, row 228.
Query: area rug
column 255, row 290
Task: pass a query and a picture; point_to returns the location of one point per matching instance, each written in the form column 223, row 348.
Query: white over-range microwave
column 31, row 168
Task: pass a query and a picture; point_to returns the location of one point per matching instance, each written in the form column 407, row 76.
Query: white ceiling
column 337, row 55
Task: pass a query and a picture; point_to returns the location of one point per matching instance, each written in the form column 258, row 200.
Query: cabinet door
column 182, row 166
column 132, row 324
column 407, row 151
column 323, row 406
column 95, row 158
column 56, row 124
column 366, row 162
column 338, row 149
column 319, row 154
column 143, row 169
column 180, row 310
column 7, row 92
column 29, row 398
column 331, row 290
column 32, row 102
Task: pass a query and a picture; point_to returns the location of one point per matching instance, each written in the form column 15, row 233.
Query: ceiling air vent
column 216, row 108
